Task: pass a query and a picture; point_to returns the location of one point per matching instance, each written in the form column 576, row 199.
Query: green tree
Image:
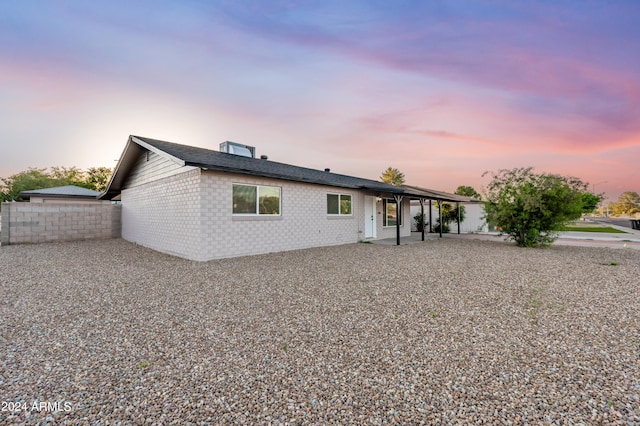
column 628, row 203
column 590, row 202
column 533, row 208
column 33, row 178
column 95, row 178
column 468, row 191
column 392, row 176
column 98, row 178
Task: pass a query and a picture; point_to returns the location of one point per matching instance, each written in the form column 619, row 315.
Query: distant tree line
column 95, row 178
column 628, row 203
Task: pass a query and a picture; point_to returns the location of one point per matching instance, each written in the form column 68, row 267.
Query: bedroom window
column 338, row 204
column 391, row 213
column 256, row 200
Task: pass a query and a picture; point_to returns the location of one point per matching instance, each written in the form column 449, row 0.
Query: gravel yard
column 446, row 331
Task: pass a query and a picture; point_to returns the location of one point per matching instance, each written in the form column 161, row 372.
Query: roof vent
column 327, row 169
column 264, row 157
column 238, row 149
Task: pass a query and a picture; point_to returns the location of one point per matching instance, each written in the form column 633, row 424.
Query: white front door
column 369, row 217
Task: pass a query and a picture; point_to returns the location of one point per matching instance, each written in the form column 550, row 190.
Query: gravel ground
column 446, row 331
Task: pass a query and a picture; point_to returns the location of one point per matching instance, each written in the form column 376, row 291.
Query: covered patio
column 424, row 195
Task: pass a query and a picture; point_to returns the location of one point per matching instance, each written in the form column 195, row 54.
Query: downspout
column 458, row 208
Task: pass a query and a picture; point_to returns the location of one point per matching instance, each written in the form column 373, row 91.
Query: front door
column 369, row 217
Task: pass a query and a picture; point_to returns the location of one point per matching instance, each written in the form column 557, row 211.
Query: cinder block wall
column 39, row 223
column 303, row 222
column 165, row 214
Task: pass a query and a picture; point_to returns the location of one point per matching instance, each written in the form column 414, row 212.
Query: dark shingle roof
column 220, row 161
column 215, row 160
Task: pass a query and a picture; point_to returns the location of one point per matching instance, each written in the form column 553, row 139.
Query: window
column 254, row 199
column 338, row 204
column 391, row 214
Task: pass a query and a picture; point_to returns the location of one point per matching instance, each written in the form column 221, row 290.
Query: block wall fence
column 43, row 222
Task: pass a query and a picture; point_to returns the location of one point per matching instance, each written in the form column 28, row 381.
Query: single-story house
column 61, row 194
column 202, row 204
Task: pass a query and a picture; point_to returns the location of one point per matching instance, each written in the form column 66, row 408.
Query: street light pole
column 593, row 190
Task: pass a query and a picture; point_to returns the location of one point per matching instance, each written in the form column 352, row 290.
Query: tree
column 25, row 181
column 33, row 178
column 628, row 203
column 98, row 178
column 392, row 176
column 533, row 208
column 468, row 191
column 590, row 202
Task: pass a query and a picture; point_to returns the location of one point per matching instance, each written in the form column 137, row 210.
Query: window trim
column 385, row 222
column 257, row 212
column 340, row 214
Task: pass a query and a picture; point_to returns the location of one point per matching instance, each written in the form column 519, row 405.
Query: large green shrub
column 533, row 208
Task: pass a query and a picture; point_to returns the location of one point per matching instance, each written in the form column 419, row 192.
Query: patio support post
column 422, row 215
column 458, row 208
column 440, row 216
column 398, row 199
column 430, row 218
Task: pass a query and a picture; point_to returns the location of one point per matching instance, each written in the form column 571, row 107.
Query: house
column 202, row 204
column 61, row 194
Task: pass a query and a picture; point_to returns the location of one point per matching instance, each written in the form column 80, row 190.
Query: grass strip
column 607, row 229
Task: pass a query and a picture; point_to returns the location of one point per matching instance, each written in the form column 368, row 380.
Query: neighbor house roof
column 67, row 191
column 208, row 159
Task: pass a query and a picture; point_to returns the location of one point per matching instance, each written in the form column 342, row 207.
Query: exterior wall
column 473, row 222
column 58, row 200
column 150, row 167
column 191, row 215
column 43, row 222
column 384, row 232
column 303, row 222
column 165, row 214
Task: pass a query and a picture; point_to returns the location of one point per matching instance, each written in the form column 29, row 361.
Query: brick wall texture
column 190, row 215
column 68, row 221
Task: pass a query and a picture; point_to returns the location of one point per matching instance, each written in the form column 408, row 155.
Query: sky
column 441, row 90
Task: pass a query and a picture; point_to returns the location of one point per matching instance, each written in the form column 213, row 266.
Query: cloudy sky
column 442, row 90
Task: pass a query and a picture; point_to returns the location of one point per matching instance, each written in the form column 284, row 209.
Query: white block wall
column 473, row 222
column 165, row 214
column 190, row 215
column 383, row 232
column 303, row 221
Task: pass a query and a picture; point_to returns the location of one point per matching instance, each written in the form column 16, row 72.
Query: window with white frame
column 256, row 200
column 392, row 215
column 339, row 204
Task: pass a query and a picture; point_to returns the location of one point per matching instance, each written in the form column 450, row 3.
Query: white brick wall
column 384, row 232
column 190, row 215
column 165, row 214
column 303, row 222
column 473, row 222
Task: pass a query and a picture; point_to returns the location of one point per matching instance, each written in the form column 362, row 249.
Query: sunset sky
column 442, row 90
